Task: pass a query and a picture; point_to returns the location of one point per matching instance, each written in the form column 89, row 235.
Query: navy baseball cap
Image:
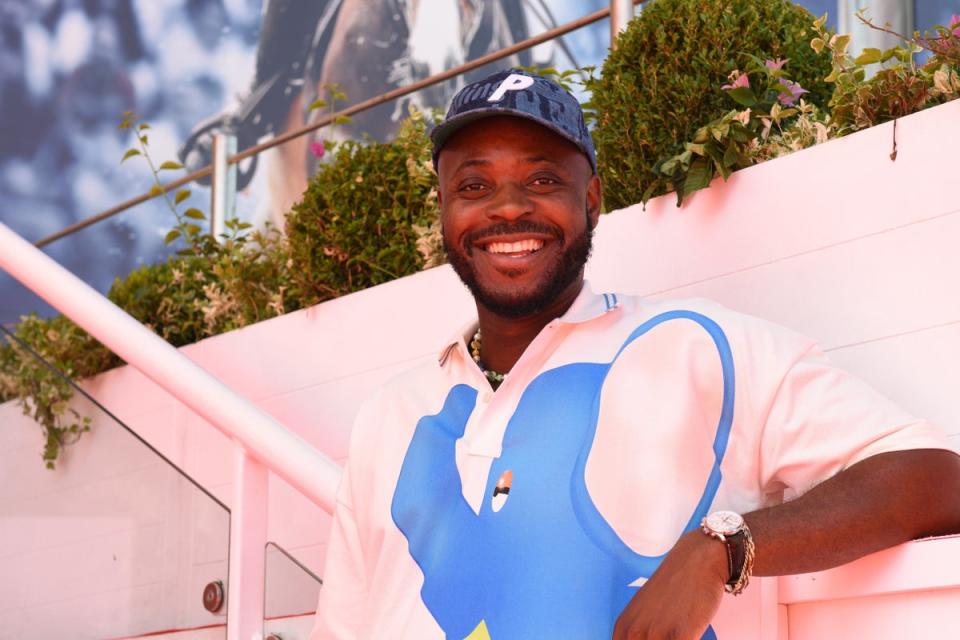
column 517, row 93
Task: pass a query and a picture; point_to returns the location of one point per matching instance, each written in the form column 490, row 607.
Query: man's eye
column 545, row 180
column 472, row 186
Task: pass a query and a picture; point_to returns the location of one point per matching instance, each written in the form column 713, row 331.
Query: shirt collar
column 587, row 306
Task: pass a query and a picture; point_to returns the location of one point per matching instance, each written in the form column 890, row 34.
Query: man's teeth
column 523, row 246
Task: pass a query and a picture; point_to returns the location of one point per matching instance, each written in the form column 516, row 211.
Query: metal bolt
column 213, row 596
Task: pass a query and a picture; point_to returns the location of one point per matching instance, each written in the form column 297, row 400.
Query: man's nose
column 511, row 202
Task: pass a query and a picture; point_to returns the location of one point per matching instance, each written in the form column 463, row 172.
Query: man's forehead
column 477, row 142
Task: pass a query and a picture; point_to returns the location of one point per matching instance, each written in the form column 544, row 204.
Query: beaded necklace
column 493, row 376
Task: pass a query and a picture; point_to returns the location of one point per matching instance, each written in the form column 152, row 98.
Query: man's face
column 518, row 207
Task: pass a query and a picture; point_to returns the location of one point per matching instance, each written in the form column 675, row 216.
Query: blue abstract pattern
column 548, row 560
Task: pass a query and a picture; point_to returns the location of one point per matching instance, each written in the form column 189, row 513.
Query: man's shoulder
column 412, row 392
column 640, row 309
column 747, row 335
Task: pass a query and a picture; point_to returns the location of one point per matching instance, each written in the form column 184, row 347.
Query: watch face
column 725, row 522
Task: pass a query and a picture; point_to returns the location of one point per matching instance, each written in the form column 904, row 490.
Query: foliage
column 210, row 286
column 356, row 226
column 899, row 87
column 213, row 285
column 771, row 123
column 660, row 84
column 43, row 394
column 777, row 121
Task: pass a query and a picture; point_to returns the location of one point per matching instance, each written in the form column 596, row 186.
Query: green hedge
column 663, row 80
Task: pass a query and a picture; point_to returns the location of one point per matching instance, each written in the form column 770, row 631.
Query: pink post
column 248, row 538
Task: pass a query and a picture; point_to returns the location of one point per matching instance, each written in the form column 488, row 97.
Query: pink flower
column 789, row 97
column 317, row 149
column 775, row 65
column 955, row 24
column 740, row 81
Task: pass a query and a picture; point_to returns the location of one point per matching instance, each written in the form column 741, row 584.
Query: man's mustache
column 505, row 228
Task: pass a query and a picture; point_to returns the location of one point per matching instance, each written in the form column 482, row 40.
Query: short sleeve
column 823, row 419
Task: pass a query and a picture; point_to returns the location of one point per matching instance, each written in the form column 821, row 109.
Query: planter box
column 838, row 242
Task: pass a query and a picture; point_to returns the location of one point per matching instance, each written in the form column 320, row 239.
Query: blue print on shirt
column 547, row 564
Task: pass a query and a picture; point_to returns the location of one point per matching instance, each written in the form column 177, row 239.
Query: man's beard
column 557, row 277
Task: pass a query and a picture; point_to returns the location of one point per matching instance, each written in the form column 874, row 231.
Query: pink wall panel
column 926, row 615
column 878, row 286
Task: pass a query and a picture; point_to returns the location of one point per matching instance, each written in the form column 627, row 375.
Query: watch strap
column 740, row 552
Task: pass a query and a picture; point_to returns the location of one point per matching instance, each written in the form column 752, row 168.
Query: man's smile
column 516, row 248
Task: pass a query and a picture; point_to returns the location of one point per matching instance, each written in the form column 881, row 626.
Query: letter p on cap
column 513, row 82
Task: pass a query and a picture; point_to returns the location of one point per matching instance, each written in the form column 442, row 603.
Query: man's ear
column 594, row 200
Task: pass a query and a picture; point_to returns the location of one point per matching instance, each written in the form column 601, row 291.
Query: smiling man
column 582, row 465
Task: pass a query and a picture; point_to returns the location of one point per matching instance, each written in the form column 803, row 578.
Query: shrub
column 355, row 227
column 661, row 83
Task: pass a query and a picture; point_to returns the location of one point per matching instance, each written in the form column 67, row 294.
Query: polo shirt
column 537, row 510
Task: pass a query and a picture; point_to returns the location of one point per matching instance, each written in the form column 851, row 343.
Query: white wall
column 838, row 242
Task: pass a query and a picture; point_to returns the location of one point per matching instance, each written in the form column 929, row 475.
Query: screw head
column 213, row 596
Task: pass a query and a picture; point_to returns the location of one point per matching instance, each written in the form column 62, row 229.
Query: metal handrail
column 281, row 450
column 619, row 18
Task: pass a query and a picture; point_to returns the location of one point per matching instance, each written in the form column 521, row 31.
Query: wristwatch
column 730, row 529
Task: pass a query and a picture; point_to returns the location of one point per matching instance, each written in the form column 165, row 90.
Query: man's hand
column 682, row 596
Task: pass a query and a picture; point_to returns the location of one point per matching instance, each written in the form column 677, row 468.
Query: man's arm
column 877, row 503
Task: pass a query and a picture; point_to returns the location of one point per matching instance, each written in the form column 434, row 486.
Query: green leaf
column 155, row 190
column 889, row 53
column 648, row 192
column 903, row 55
column 722, row 169
column 170, row 165
column 244, row 225
column 182, row 195
column 129, row 154
column 870, row 55
column 191, row 229
column 172, row 235
column 317, row 104
column 840, row 43
column 730, row 155
column 194, row 213
column 699, row 176
column 744, row 96
column 341, row 120
column 144, row 140
column 143, row 126
column 817, row 44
